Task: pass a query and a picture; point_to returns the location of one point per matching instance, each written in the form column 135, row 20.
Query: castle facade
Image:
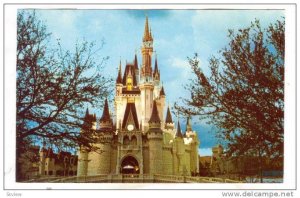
column 142, row 139
column 57, row 164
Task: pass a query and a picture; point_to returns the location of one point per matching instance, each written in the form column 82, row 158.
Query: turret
column 89, row 121
column 162, row 92
column 83, row 159
column 194, row 145
column 119, row 78
column 178, row 132
column 154, row 121
column 155, row 138
column 188, row 124
column 156, row 80
column 180, row 149
column 189, row 130
column 162, row 101
column 105, row 120
column 101, row 160
column 156, row 73
column 169, row 125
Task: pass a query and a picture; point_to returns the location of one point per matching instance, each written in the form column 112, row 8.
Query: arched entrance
column 130, row 165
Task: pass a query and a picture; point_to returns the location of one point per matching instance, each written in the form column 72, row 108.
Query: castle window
column 50, row 172
column 126, row 140
column 133, row 140
column 129, row 84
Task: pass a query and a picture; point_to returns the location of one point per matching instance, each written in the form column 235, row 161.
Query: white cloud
column 205, row 151
column 179, row 63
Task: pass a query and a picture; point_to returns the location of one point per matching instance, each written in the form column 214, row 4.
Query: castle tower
column 105, row 136
column 89, row 122
column 155, row 138
column 82, row 167
column 179, row 144
column 83, row 152
column 146, row 86
column 105, row 121
column 169, row 125
column 194, row 159
column 188, row 124
column 147, row 50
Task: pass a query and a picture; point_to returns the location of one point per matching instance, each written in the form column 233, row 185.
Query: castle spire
column 119, row 78
column 136, row 67
column 87, row 112
column 154, row 116
column 169, row 116
column 178, row 133
column 105, row 115
column 147, row 34
column 188, row 124
column 105, row 121
column 162, row 91
column 155, row 65
column 147, row 50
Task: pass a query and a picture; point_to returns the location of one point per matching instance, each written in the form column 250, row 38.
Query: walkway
column 133, row 178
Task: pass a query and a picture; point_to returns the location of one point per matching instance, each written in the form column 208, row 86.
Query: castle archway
column 130, row 165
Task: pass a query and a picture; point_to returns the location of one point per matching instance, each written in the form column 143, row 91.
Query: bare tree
column 244, row 94
column 54, row 86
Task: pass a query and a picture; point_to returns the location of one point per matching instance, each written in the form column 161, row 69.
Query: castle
column 57, row 164
column 140, row 140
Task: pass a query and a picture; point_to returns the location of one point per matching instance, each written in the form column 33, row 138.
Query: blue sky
column 178, row 34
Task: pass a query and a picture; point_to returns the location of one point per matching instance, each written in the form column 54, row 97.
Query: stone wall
column 167, row 160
